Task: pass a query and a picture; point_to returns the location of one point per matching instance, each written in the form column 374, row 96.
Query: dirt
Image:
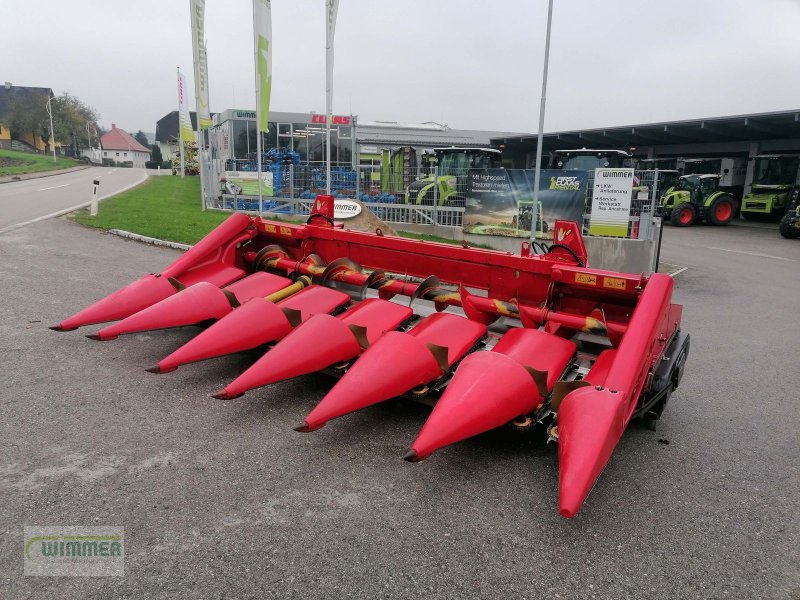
column 13, row 162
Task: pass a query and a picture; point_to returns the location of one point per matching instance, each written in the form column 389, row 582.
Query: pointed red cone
column 124, row 302
column 254, row 323
column 196, row 303
column 395, row 364
column 488, row 390
column 200, row 302
column 320, row 342
column 590, row 423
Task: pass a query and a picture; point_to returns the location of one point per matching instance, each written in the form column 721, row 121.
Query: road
column 23, row 201
column 224, row 500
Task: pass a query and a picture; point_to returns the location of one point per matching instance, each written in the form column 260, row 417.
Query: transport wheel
column 788, row 228
column 720, row 212
column 682, row 215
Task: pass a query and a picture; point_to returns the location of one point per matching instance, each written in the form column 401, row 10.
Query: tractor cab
column 585, row 159
column 450, row 167
column 697, row 198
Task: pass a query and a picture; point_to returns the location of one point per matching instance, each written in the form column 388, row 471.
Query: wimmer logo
column 565, row 183
column 74, row 551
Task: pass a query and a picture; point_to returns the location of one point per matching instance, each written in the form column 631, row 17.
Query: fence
column 412, row 195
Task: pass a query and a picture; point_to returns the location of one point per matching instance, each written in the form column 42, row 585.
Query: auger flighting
column 495, row 337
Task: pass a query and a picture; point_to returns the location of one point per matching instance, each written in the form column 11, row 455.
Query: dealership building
column 738, row 137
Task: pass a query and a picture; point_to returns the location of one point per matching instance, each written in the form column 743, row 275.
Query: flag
column 197, row 9
column 333, row 7
column 262, row 25
column 185, row 123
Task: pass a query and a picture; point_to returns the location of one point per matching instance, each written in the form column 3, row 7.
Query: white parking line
column 752, row 253
column 53, row 187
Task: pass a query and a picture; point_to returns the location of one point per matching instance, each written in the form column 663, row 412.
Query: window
column 117, row 153
column 126, row 154
column 105, row 153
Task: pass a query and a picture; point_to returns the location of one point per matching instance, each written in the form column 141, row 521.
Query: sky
column 470, row 64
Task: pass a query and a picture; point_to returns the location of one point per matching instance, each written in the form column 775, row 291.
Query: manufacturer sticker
column 586, row 278
column 614, row 283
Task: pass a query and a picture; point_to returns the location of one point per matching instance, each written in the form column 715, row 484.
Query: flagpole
column 258, row 110
column 331, row 7
column 180, row 129
column 538, row 174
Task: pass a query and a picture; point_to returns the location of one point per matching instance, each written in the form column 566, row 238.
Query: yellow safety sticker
column 286, row 231
column 270, row 228
column 615, row 283
column 586, row 278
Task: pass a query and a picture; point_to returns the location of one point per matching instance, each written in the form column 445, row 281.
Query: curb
column 41, row 175
column 148, row 240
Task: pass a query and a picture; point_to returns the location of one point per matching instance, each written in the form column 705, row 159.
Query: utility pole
column 52, row 137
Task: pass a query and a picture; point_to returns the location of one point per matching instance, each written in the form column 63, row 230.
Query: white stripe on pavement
column 55, row 187
column 752, row 253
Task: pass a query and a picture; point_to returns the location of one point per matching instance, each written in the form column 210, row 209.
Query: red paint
column 489, row 389
column 395, row 364
column 318, row 343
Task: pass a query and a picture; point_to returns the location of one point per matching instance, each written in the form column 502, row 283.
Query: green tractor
column 450, row 167
column 697, row 198
column 775, row 187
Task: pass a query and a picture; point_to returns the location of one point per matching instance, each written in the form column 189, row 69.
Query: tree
column 30, row 118
column 70, row 119
column 141, row 138
column 155, row 154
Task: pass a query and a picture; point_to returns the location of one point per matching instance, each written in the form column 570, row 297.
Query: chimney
column 113, row 126
column 8, row 85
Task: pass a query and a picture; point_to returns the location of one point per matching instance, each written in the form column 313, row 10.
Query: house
column 121, row 147
column 31, row 102
column 167, row 133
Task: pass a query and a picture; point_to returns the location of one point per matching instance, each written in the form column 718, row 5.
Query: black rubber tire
column 711, row 214
column 786, row 229
column 675, row 217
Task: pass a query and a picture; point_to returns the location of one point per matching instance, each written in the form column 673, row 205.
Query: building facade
column 121, row 148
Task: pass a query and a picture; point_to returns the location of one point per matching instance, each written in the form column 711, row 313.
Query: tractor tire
column 721, row 211
column 683, row 215
column 787, row 226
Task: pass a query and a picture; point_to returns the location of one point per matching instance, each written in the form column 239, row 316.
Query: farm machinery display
column 495, row 339
column 697, row 198
column 775, row 189
column 449, row 169
column 790, row 223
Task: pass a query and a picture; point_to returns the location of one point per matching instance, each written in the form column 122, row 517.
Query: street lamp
column 52, row 137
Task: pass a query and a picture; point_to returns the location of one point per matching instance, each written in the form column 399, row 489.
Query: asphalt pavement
column 222, row 499
column 29, row 199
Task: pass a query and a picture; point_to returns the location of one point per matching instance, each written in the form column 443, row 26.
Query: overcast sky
column 473, row 64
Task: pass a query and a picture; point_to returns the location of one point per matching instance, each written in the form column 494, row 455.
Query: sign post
column 93, row 208
column 611, row 202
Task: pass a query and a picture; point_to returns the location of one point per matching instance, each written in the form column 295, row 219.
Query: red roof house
column 120, row 146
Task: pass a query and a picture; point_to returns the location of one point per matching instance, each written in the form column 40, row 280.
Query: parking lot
column 224, row 500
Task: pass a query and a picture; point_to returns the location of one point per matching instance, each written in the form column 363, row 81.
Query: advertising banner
column 500, row 201
column 184, row 122
column 611, row 202
column 245, row 183
column 262, row 24
column 197, row 9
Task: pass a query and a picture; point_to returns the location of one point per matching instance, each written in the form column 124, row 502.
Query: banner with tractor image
column 500, row 201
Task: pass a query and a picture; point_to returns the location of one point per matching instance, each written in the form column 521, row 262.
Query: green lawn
column 165, row 207
column 18, row 163
column 168, row 208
